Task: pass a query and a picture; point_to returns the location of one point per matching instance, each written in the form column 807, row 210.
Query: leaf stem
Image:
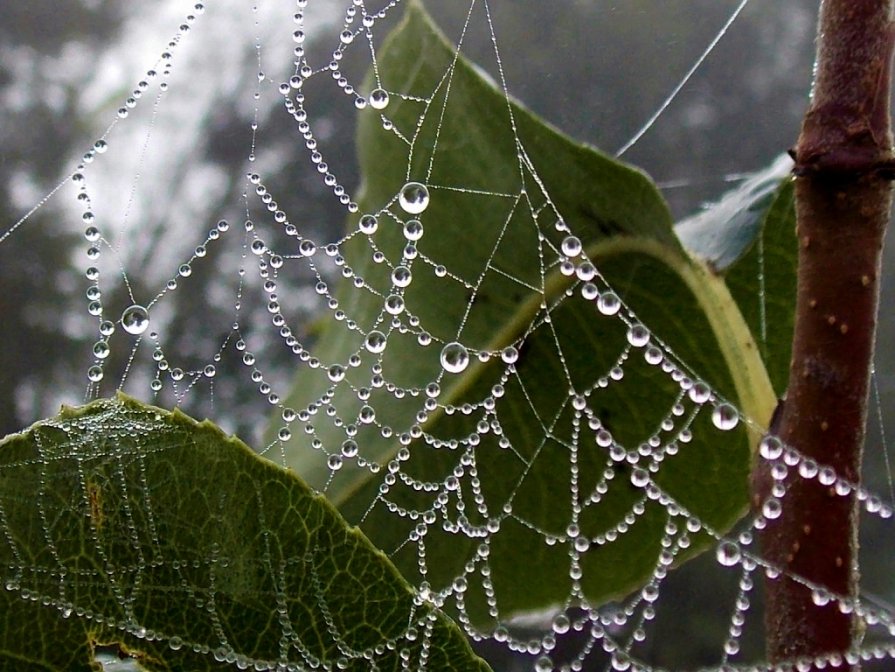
column 843, row 200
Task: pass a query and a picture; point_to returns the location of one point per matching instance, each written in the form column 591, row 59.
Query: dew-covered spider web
column 314, row 224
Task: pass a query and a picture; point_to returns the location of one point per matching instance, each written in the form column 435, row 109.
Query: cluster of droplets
column 134, row 319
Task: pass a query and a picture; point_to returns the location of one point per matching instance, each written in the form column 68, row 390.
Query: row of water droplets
column 134, row 319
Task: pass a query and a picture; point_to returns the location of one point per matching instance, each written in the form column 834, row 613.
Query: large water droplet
column 640, row 477
column 609, row 303
column 725, row 417
column 772, row 508
column 454, row 358
column 699, row 393
column 378, row 99
column 771, row 448
column 509, row 354
column 349, row 448
column 413, row 230
column 368, row 224
column 375, row 342
column 728, row 553
column 394, row 304
column 401, row 276
column 101, row 349
column 653, row 355
column 638, row 335
column 135, row 319
column 561, row 624
column 414, row 198
column 571, row 246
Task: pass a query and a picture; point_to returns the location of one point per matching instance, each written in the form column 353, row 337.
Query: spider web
column 270, row 264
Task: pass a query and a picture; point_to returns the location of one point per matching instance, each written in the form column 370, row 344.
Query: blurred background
column 596, row 69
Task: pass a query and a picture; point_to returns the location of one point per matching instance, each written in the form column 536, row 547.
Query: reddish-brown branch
column 843, row 197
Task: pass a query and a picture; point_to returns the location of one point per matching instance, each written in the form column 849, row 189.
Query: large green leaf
column 144, row 531
column 505, row 482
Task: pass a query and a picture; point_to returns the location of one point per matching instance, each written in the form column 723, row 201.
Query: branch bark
column 843, row 168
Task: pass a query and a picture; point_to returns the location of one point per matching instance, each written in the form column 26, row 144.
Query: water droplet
column 561, row 624
column 728, row 553
column 771, row 448
column 101, row 349
column 571, row 246
column 336, row 373
column 414, row 198
column 640, row 477
column 454, row 358
column 413, row 230
column 725, row 417
column 94, row 374
column 638, row 335
column 394, row 304
column 509, row 355
column 653, row 355
column 544, row 664
column 699, row 393
column 368, row 224
column 401, row 276
column 589, row 291
column 820, row 597
column 772, row 508
column 378, row 99
column 826, row 476
column 349, row 448
column 609, row 303
column 135, row 319
column 185, row 270
column 375, row 342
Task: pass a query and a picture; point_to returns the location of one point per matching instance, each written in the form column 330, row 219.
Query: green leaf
column 142, row 531
column 494, row 506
